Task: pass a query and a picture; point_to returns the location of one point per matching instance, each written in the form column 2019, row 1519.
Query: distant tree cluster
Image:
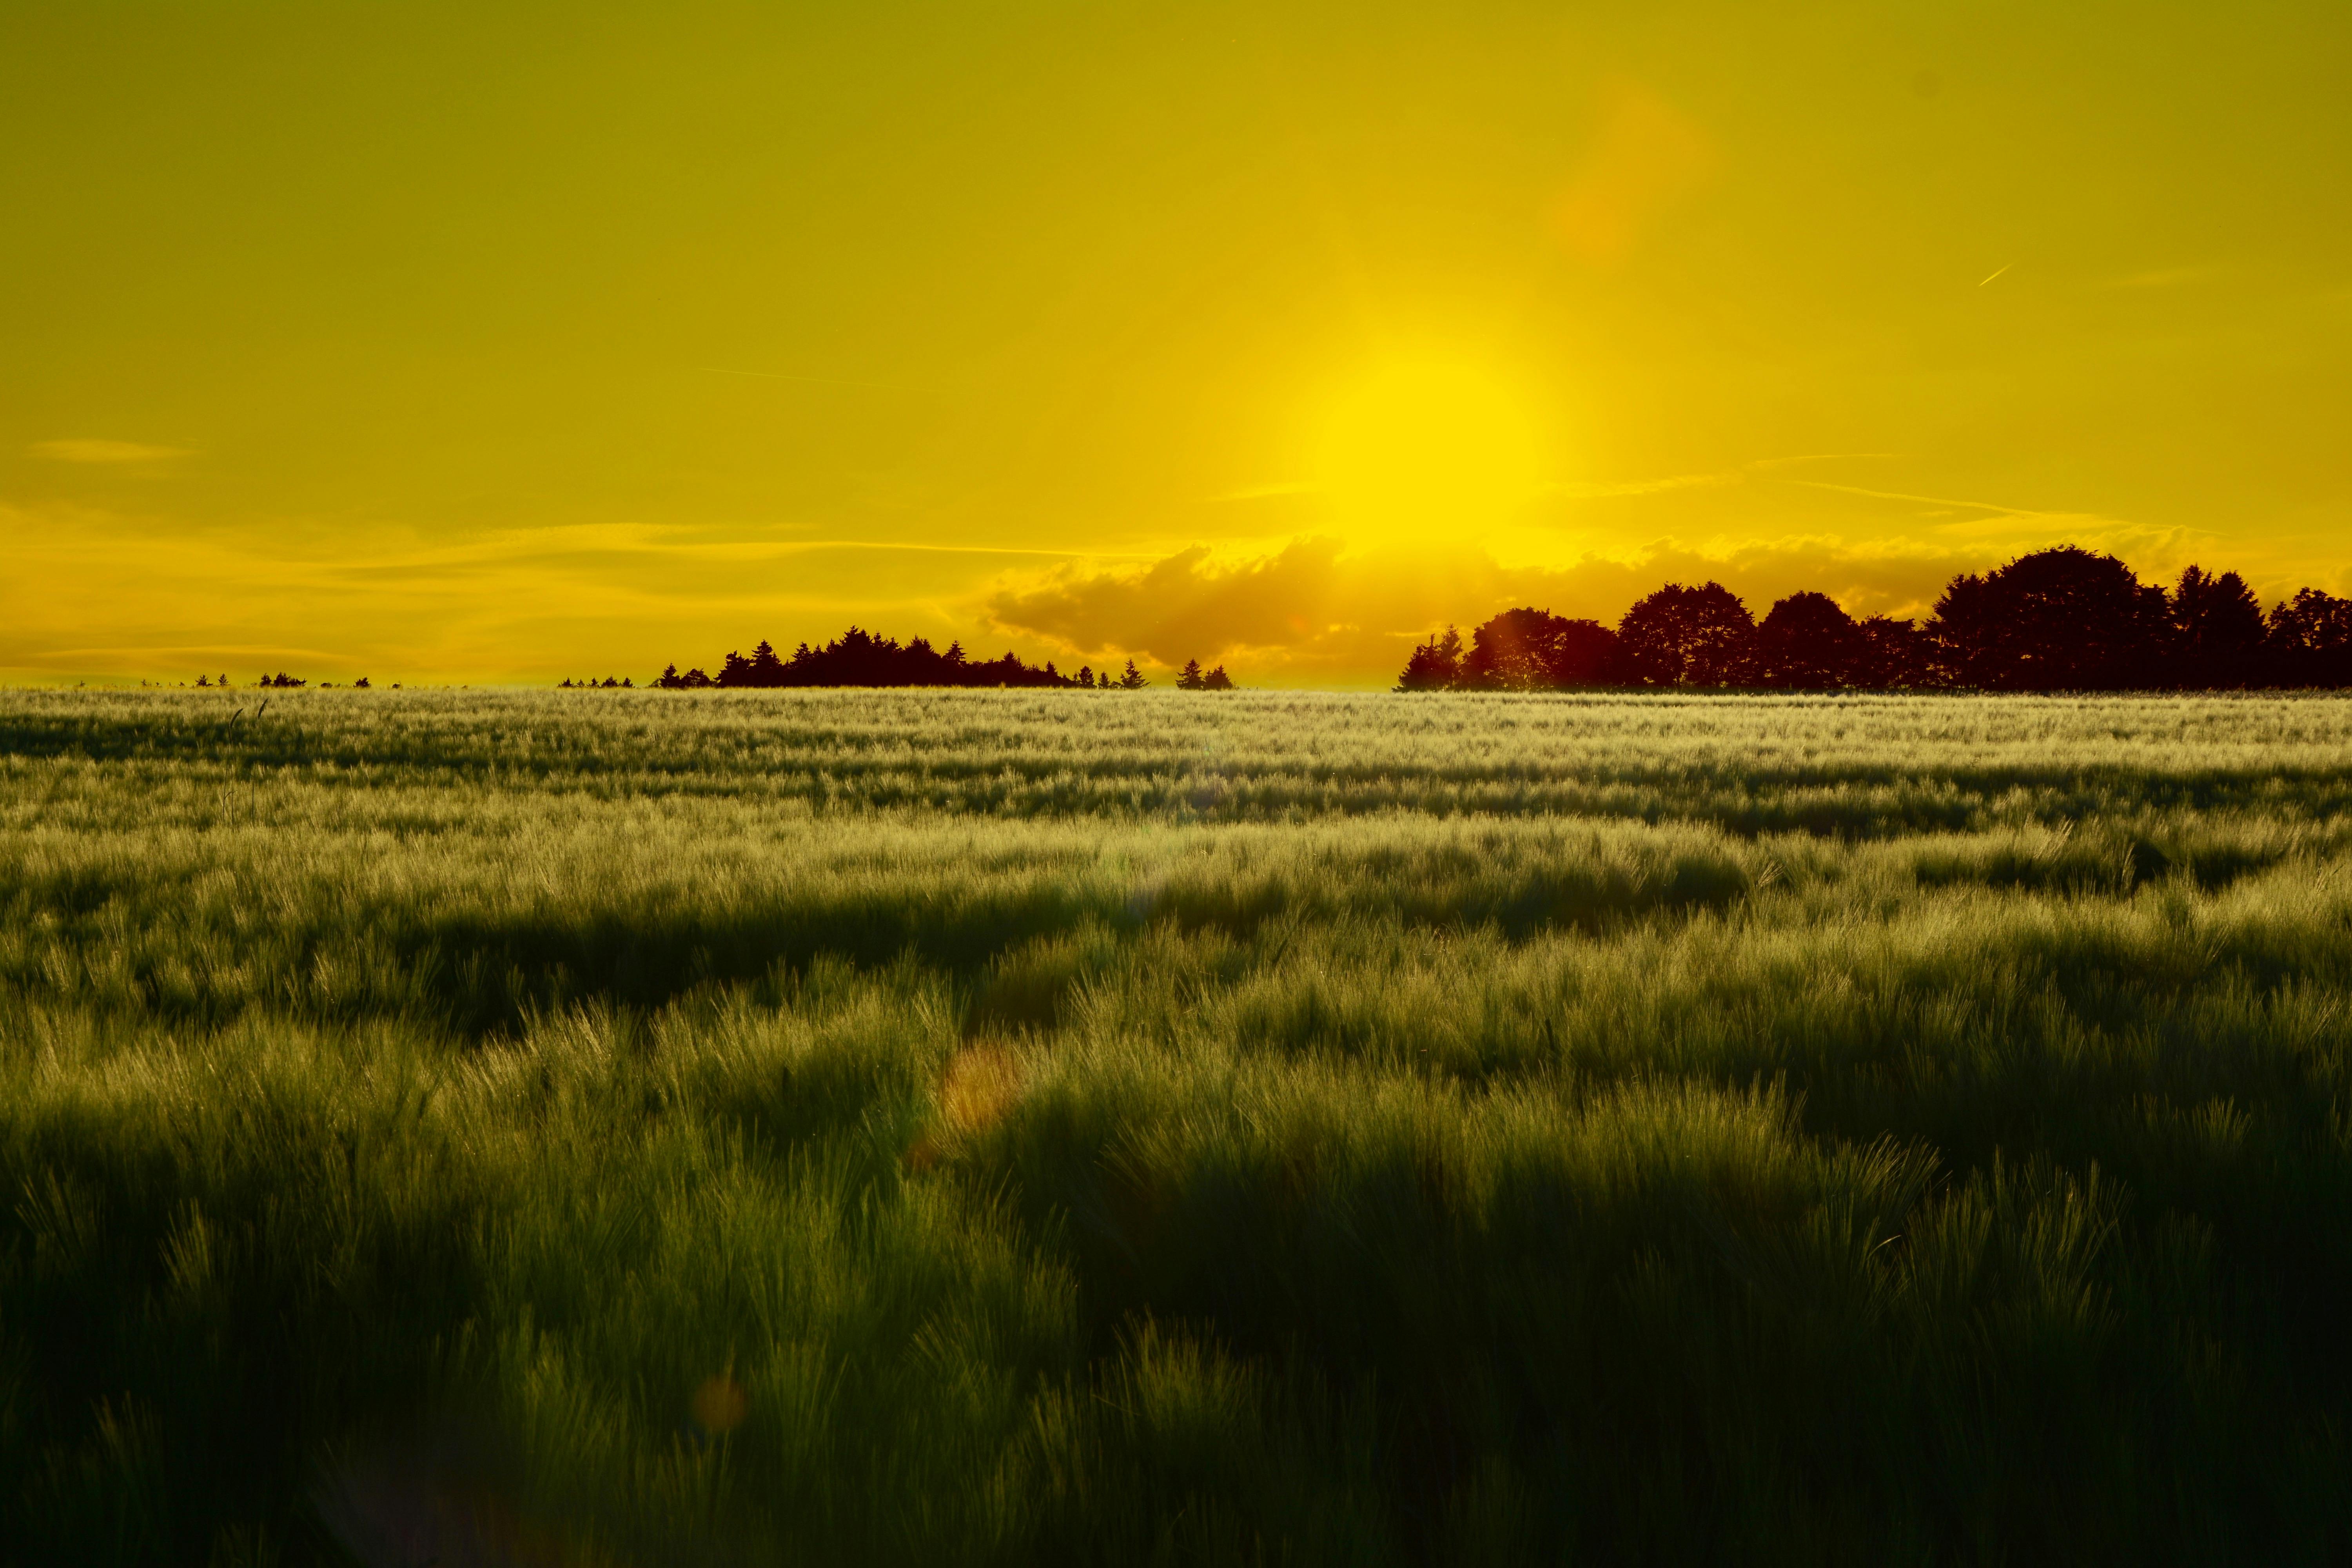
column 2056, row 620
column 860, row 658
column 607, row 684
column 1193, row 677
column 279, row 681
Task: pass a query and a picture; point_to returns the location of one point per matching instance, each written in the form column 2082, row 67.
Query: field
column 961, row 1128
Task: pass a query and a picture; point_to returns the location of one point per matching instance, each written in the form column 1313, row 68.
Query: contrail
column 1930, row 501
column 782, row 546
column 1997, row 271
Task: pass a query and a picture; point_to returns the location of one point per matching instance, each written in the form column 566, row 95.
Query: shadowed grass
column 528, row 1131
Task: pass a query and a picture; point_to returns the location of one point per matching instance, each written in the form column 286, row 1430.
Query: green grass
column 842, row 1128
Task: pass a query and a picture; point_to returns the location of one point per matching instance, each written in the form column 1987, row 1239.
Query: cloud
column 86, row 451
column 93, row 591
column 1648, row 487
column 99, row 592
column 1185, row 604
column 1314, row 612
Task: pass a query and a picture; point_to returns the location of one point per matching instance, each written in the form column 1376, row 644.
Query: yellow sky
column 438, row 342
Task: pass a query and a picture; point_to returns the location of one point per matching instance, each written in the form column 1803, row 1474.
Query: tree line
column 860, row 658
column 2065, row 619
column 281, row 681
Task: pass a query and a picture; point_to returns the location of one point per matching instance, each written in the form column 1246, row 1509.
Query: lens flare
column 720, row 1404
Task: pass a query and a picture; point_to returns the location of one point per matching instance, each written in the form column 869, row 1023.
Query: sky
column 503, row 343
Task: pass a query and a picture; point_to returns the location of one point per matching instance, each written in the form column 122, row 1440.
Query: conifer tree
column 2217, row 631
column 1435, row 665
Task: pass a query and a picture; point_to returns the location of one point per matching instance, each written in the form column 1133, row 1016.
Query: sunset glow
column 1427, row 450
column 463, row 343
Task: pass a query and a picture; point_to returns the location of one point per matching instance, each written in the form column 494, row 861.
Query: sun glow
column 1427, row 449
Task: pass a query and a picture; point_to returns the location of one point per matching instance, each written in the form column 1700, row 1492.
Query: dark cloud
column 1314, row 610
column 1185, row 606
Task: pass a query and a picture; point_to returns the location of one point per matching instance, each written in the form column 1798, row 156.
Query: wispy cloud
column 801, row 546
column 1647, row 487
column 94, row 591
column 620, row 544
column 88, row 451
column 1767, row 467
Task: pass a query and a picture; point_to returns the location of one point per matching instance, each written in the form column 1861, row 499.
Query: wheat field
column 972, row 1126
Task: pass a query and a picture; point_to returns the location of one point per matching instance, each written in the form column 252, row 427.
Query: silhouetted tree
column 2056, row 620
column 1894, row 653
column 1217, row 680
column 2310, row 640
column 1087, row 676
column 1806, row 641
column 1132, row 679
column 1189, row 678
column 1433, row 666
column 2217, row 631
column 1535, row 651
column 1687, row 637
column 860, row 658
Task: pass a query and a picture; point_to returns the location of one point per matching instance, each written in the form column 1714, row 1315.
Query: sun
column 1427, row 449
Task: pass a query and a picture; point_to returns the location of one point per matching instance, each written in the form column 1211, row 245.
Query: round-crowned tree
column 2310, row 640
column 2056, row 620
column 1535, row 651
column 1688, row 637
column 1807, row 642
